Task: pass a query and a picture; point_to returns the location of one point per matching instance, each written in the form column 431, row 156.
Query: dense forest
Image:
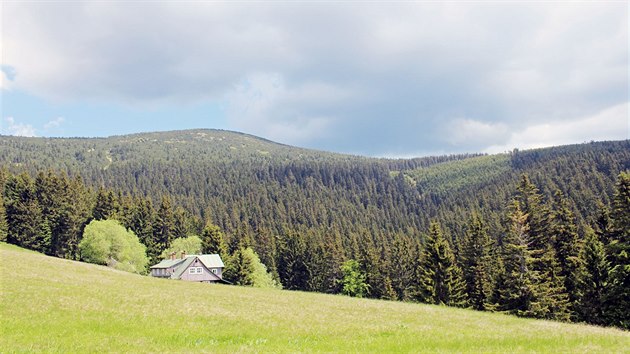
column 539, row 233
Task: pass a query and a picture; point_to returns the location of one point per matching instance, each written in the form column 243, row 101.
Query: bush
column 108, row 243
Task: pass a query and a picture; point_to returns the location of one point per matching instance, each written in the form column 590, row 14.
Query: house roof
column 211, row 260
column 167, row 263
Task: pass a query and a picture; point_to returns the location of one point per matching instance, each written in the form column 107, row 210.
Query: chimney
column 173, row 256
column 183, row 254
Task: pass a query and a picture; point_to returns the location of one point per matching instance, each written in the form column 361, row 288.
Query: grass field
column 55, row 305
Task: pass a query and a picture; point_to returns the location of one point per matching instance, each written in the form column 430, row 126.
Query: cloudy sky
column 381, row 79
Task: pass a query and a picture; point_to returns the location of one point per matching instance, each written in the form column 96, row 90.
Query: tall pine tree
column 618, row 290
column 566, row 243
column 213, row 241
column 592, row 282
column 439, row 277
column 476, row 263
column 516, row 288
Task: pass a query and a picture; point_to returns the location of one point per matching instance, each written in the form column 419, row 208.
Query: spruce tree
column 618, row 291
column 293, row 262
column 163, row 226
column 537, row 215
column 566, row 243
column 373, row 266
column 26, row 225
column 516, row 288
column 439, row 278
column 476, row 263
column 106, row 205
column 402, row 267
column 213, row 241
column 550, row 299
column 141, row 221
column 239, row 268
column 3, row 216
column 592, row 282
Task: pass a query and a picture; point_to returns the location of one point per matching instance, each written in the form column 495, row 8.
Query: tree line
column 541, row 265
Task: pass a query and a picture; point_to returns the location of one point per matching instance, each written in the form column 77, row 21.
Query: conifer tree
column 388, row 290
column 402, row 267
column 550, row 299
column 213, row 241
column 163, row 226
column 439, row 278
column 566, row 243
column 106, row 205
column 476, row 263
column 293, row 262
column 3, row 216
column 592, row 282
column 618, row 291
column 537, row 216
column 239, row 268
column 373, row 266
column 516, row 284
column 141, row 221
column 26, row 225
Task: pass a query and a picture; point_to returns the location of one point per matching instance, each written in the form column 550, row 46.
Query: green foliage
column 566, row 243
column 106, row 205
column 3, row 219
column 439, row 279
column 456, row 175
column 26, row 225
column 190, row 245
column 516, row 286
column 293, row 263
column 213, row 241
column 261, row 195
column 592, row 281
column 617, row 298
column 239, row 268
column 243, row 267
column 108, row 243
column 531, row 285
column 260, row 277
column 353, row 280
column 476, row 264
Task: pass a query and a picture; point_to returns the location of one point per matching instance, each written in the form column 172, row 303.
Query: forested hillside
column 307, row 212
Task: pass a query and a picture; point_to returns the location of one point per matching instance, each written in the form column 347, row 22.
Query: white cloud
column 55, row 123
column 471, row 133
column 17, row 129
column 610, row 124
column 262, row 104
column 362, row 77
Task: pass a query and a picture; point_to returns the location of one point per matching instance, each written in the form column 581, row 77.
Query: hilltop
column 49, row 304
column 242, row 182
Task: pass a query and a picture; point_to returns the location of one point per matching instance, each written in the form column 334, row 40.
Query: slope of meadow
column 50, row 304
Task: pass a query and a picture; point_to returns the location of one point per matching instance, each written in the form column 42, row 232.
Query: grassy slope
column 50, row 304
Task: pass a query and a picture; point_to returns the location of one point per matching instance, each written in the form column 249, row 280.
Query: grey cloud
column 372, row 78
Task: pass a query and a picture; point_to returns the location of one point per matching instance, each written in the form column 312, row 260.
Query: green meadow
column 55, row 305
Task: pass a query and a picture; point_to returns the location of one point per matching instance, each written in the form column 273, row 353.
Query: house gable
column 196, row 270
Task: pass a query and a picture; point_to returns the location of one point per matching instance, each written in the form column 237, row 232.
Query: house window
column 195, row 270
column 214, row 270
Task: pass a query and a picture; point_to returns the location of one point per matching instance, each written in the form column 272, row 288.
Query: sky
column 390, row 79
